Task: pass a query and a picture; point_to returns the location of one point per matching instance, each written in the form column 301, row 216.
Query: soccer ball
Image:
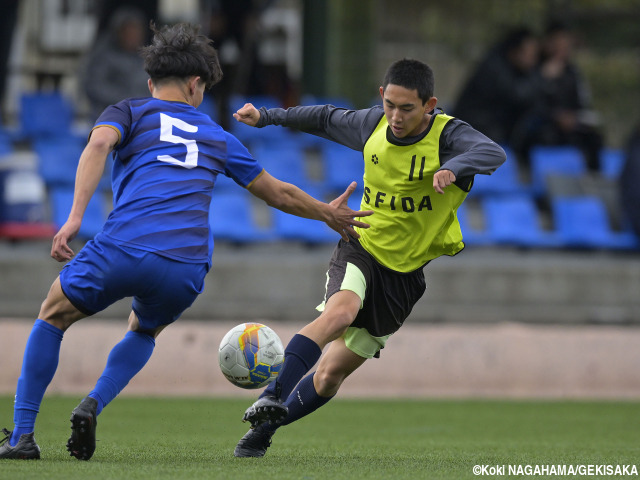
column 251, row 355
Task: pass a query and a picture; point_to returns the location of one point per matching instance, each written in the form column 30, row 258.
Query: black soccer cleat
column 254, row 443
column 82, row 442
column 266, row 409
column 25, row 449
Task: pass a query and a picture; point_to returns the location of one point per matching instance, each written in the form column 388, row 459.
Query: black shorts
column 389, row 295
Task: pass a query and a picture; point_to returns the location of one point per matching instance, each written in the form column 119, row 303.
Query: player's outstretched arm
column 90, row 169
column 248, row 114
column 290, row 199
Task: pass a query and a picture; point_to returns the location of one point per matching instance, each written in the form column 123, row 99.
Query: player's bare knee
column 62, row 322
column 337, row 322
column 60, row 314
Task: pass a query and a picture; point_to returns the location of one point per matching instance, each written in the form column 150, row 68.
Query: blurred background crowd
column 555, row 82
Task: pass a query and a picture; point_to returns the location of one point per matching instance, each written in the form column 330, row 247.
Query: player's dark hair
column 412, row 75
column 180, row 51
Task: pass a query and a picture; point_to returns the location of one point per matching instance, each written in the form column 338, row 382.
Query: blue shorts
column 103, row 273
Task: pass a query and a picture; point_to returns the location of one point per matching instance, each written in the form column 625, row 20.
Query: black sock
column 302, row 401
column 301, row 354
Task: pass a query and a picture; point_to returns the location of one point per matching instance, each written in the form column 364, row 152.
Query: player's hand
column 343, row 220
column 442, row 179
column 60, row 250
column 248, row 115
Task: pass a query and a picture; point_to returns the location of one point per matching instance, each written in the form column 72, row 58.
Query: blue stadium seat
column 471, row 236
column 514, row 220
column 58, row 158
column 583, row 222
column 551, row 160
column 286, row 162
column 505, row 180
column 342, row 166
column 231, row 218
column 45, row 114
column 61, row 198
column 6, row 142
column 209, row 107
column 292, row 228
column 612, row 162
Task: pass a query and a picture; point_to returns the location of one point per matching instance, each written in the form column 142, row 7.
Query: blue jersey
column 165, row 166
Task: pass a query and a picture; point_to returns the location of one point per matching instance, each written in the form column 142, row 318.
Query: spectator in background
column 113, row 68
column 105, row 9
column 629, row 179
column 238, row 22
column 503, row 88
column 567, row 117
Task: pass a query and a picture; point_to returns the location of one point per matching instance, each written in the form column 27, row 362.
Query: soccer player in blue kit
column 156, row 244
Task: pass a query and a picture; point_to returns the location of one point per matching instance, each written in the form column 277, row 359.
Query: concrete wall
column 286, row 282
column 421, row 360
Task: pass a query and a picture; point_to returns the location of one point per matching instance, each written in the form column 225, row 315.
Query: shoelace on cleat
column 7, row 435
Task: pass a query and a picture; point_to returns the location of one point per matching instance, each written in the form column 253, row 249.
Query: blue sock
column 301, row 354
column 302, row 401
column 125, row 360
column 39, row 364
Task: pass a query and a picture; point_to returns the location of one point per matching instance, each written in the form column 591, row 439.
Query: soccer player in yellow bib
column 419, row 165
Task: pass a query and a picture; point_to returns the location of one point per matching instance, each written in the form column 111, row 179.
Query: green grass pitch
column 193, row 438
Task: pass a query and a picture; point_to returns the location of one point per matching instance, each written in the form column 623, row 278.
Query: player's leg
column 344, row 297
column 336, row 365
column 343, row 357
column 125, row 360
column 165, row 289
column 317, row 388
column 345, row 292
column 162, row 289
column 314, row 391
column 339, row 312
column 302, row 353
column 39, row 365
column 388, row 301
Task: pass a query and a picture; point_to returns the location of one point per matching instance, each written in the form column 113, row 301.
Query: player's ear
column 430, row 105
column 382, row 93
column 193, row 84
column 150, row 85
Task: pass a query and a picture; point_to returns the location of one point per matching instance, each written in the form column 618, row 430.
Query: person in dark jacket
column 503, row 88
column 567, row 117
column 113, row 69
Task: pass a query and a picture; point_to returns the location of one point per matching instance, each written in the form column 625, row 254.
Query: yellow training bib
column 412, row 223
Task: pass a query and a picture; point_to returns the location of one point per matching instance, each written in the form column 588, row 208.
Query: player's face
column 405, row 113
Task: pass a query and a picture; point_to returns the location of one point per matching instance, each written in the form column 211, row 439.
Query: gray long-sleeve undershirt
column 463, row 150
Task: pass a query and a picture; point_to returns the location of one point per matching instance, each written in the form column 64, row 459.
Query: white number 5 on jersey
column 167, row 124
